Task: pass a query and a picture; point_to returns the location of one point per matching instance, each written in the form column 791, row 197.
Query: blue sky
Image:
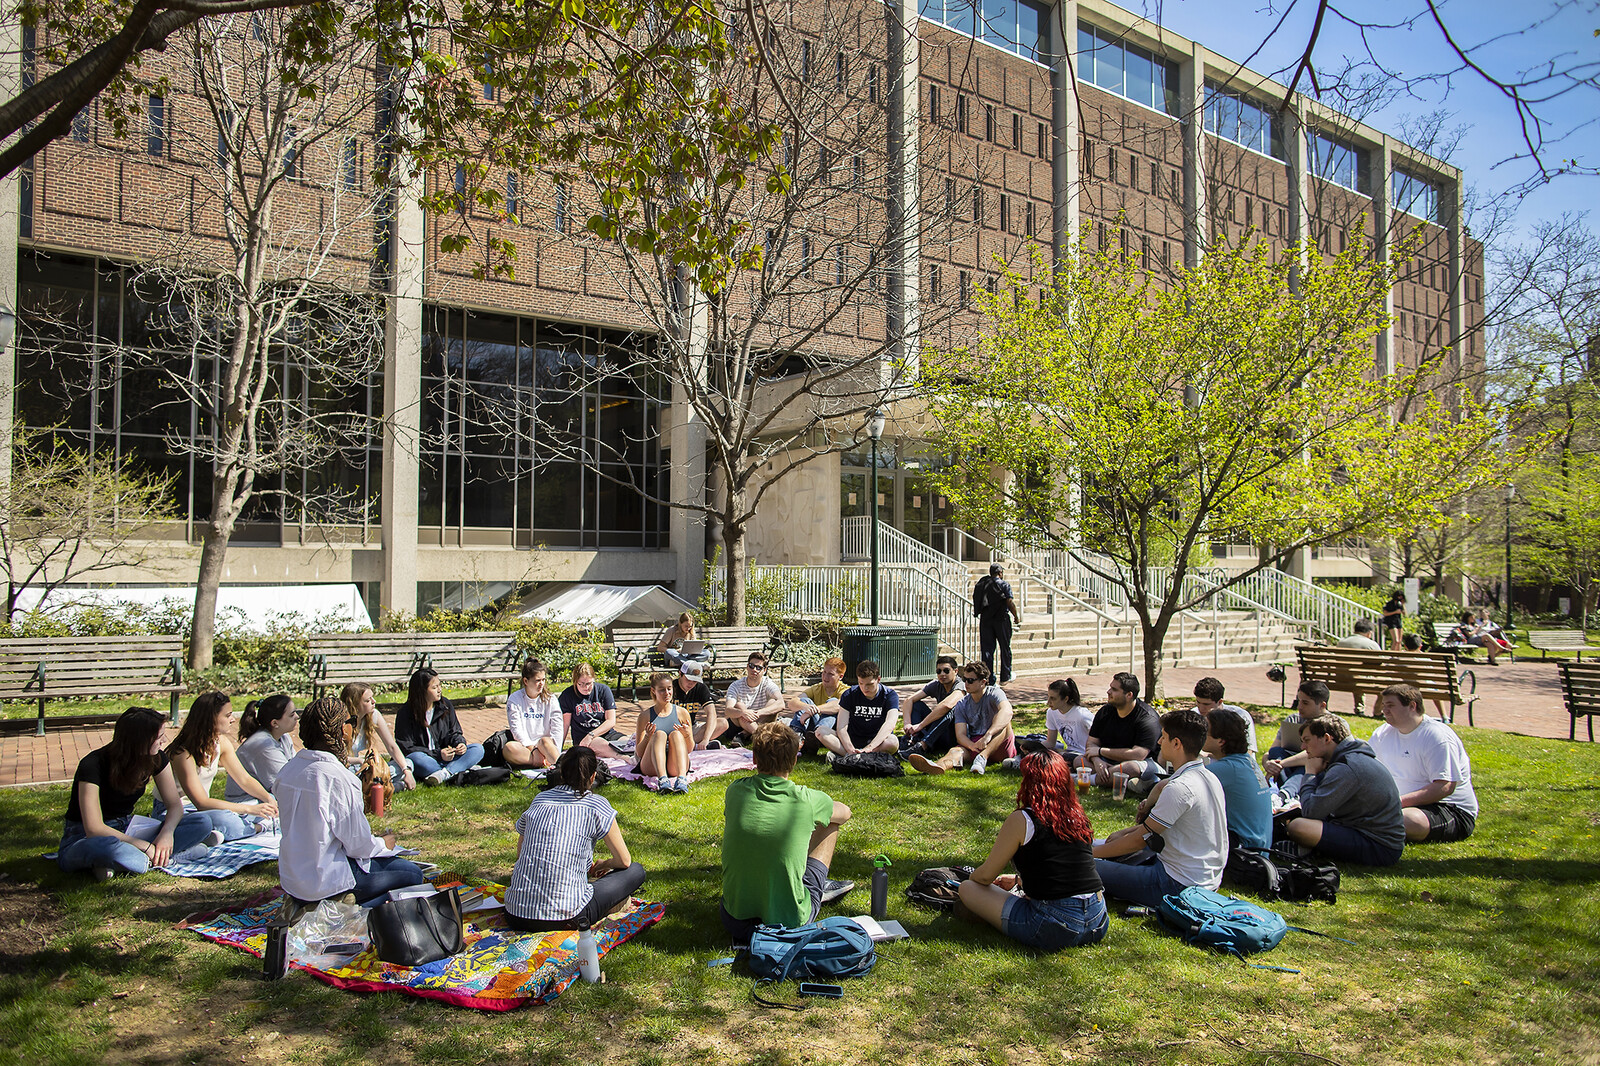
column 1530, row 34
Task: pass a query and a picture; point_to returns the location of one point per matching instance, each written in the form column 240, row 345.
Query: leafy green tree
column 1561, row 541
column 1236, row 403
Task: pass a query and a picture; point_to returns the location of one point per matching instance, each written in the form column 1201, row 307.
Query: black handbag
column 417, row 930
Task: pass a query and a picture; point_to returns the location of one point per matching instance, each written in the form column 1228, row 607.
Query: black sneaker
column 836, row 890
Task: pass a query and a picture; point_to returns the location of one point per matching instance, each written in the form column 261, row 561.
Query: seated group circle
column 1204, row 793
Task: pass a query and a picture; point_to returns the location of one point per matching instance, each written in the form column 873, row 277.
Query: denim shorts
column 1053, row 924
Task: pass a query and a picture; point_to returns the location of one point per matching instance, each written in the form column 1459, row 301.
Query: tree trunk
column 733, row 537
column 213, row 555
column 1154, row 634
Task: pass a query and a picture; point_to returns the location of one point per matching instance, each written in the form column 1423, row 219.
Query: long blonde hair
column 351, row 695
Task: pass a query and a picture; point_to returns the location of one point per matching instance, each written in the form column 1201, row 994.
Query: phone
column 807, row 988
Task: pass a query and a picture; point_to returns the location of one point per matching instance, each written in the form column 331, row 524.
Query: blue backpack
column 829, row 949
column 1213, row 920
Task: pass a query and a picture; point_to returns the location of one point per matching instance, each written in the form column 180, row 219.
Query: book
column 881, row 931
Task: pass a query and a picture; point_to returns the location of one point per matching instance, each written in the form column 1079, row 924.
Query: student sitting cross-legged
column 777, row 841
column 1186, row 826
column 202, row 747
column 982, row 726
column 551, row 884
column 1054, row 900
column 328, row 846
column 868, row 713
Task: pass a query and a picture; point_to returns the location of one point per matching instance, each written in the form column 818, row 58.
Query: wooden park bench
column 1580, row 688
column 45, row 668
column 1356, row 670
column 391, row 658
column 729, row 646
column 1548, row 640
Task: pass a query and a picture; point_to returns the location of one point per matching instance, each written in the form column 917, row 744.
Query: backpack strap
column 765, row 1002
column 793, row 954
column 1325, row 936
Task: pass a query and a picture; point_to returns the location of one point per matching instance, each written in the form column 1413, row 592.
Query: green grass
column 114, row 705
column 1482, row 951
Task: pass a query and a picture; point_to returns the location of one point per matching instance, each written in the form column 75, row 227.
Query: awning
column 253, row 608
column 601, row 606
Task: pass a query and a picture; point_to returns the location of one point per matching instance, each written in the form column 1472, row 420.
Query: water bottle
column 588, row 956
column 880, row 887
column 375, row 799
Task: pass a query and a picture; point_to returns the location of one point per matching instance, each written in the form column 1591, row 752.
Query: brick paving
column 1521, row 697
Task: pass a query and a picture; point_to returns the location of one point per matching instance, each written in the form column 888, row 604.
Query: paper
column 880, row 931
column 410, row 891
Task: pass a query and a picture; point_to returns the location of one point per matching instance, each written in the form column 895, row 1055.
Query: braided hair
column 322, row 727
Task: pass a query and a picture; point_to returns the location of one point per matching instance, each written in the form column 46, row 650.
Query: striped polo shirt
column 551, row 878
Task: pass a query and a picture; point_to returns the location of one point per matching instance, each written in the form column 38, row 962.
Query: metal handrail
column 895, row 546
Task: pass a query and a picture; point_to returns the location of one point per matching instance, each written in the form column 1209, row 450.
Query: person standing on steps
column 994, row 608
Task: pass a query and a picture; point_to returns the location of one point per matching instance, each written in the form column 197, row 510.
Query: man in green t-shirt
column 777, row 842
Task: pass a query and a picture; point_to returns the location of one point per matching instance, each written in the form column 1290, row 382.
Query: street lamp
column 875, row 422
column 1511, row 492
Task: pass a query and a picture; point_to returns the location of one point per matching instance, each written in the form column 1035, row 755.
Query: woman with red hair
column 1054, row 900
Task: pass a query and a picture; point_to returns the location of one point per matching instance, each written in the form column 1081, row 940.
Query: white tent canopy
column 602, row 605
column 250, row 607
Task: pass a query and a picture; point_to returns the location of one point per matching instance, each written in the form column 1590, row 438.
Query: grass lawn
column 1482, row 951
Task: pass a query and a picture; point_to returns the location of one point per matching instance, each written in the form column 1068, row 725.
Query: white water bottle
column 588, row 956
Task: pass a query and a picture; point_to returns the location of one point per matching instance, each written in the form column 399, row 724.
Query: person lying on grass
column 1054, row 900
column 108, row 784
column 550, row 886
column 662, row 739
column 982, row 725
column 203, row 745
column 868, row 713
column 1186, row 828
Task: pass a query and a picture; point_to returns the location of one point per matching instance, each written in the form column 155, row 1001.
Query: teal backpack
column 1210, row 919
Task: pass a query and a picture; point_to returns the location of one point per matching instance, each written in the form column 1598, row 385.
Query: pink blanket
column 702, row 764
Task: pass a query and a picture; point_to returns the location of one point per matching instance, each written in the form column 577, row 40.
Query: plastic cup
column 1085, row 778
column 1119, row 785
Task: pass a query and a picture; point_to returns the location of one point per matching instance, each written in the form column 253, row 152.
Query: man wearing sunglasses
column 929, row 727
column 982, row 726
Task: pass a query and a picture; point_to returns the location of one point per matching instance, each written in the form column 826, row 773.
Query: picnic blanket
column 501, row 969
column 224, row 860
column 702, row 764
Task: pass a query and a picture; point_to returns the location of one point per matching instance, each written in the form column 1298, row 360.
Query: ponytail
column 576, row 768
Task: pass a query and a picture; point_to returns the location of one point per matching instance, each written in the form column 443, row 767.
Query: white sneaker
column 438, row 777
column 1010, row 764
column 102, row 873
column 828, row 758
column 212, row 839
column 979, row 764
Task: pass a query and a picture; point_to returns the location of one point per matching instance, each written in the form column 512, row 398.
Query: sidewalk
column 1522, row 697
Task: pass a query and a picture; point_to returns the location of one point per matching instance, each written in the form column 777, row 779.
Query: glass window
column 1127, row 70
column 1338, row 162
column 1235, row 118
column 1415, row 196
column 1018, row 26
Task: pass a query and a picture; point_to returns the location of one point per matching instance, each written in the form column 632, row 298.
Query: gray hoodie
column 1358, row 792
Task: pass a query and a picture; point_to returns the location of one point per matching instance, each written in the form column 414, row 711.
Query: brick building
column 1142, row 139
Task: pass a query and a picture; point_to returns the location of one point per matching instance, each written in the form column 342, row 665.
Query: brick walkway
column 1522, row 697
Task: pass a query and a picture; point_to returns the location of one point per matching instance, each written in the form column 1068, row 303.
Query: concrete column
column 1191, row 106
column 1452, row 216
column 402, row 390
column 1294, row 143
column 905, row 193
column 10, row 217
column 1383, row 240
column 688, row 474
column 1065, row 140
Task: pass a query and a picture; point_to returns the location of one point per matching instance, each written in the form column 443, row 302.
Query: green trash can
column 903, row 653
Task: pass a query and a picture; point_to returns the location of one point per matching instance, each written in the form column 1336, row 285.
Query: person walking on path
column 995, row 610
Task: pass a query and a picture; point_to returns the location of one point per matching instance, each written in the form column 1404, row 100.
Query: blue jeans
column 79, row 851
column 1276, row 752
column 937, row 740
column 1053, row 924
column 425, row 765
column 384, row 874
column 231, row 825
column 1145, row 884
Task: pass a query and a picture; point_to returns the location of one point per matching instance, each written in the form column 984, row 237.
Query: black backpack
column 1281, row 874
column 867, row 764
column 937, row 886
column 980, row 595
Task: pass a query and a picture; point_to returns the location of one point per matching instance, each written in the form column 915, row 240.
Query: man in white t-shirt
column 1189, row 818
column 753, row 699
column 533, row 717
column 1430, row 767
column 1208, row 694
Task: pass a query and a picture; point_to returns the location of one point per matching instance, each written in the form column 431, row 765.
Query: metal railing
column 896, row 548
column 1326, row 613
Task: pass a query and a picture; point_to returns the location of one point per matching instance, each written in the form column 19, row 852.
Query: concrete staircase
column 1040, row 649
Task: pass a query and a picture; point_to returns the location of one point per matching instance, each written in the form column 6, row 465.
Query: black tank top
column 1052, row 868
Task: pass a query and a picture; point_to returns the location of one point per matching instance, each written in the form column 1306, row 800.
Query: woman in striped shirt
column 550, row 886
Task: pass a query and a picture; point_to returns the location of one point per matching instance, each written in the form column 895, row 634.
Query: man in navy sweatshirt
column 1349, row 804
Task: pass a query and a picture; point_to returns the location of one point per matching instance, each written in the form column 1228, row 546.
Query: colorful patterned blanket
column 501, row 969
